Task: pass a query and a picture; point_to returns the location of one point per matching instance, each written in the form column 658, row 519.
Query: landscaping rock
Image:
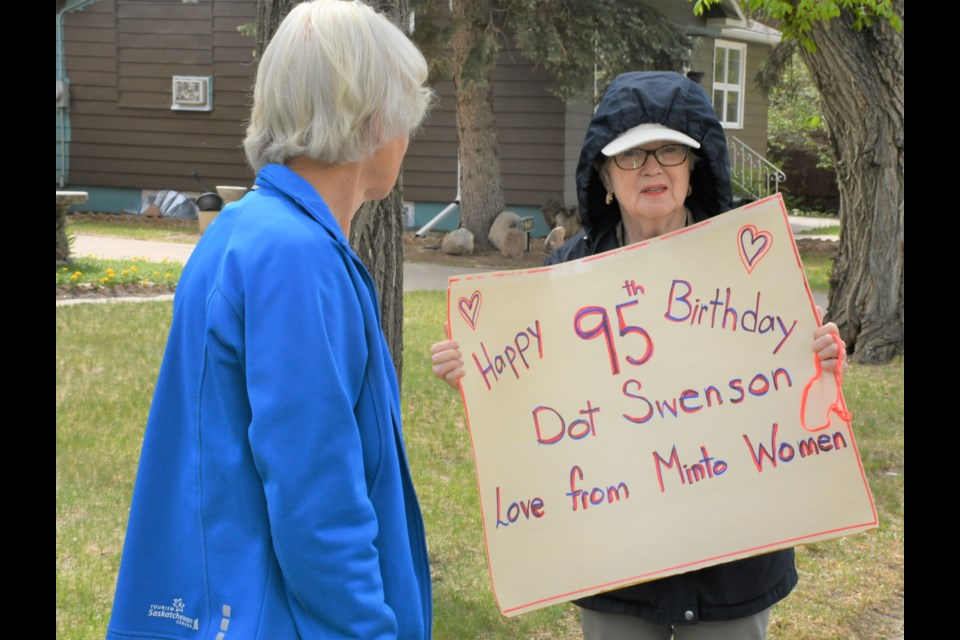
column 554, row 239
column 458, row 242
column 505, row 221
column 514, row 243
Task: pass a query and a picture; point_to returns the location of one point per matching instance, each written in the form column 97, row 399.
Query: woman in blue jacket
column 654, row 160
column 273, row 498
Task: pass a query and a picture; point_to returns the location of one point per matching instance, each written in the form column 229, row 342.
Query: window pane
column 718, row 59
column 733, row 66
column 732, row 99
column 718, row 103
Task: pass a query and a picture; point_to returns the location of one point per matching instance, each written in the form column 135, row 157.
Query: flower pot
column 231, row 194
column 206, row 217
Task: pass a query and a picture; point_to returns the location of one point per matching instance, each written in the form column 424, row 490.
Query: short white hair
column 335, row 83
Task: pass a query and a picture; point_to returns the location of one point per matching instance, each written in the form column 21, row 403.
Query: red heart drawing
column 470, row 309
column 753, row 245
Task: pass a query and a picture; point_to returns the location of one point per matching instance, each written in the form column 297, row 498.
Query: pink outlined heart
column 470, row 309
column 753, row 245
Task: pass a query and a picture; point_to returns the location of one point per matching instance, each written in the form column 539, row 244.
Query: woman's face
column 651, row 191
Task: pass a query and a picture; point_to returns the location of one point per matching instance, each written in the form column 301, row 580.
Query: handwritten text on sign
column 652, row 410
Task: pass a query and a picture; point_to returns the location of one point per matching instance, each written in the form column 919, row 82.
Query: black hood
column 659, row 97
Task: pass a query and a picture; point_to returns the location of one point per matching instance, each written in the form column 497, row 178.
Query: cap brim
column 644, row 133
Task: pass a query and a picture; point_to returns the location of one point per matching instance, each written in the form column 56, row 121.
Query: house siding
column 529, row 122
column 120, row 57
column 754, row 131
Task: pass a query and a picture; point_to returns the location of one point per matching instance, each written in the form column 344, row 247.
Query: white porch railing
column 750, row 172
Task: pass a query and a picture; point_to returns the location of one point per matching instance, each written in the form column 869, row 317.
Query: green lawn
column 107, row 361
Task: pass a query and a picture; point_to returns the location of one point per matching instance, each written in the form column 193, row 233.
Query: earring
column 609, row 197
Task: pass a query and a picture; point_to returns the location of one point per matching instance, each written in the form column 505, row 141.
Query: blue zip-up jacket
column 273, row 498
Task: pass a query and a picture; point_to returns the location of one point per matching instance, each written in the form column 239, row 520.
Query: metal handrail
column 751, row 172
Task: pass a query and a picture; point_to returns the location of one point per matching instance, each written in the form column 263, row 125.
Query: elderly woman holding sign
column 654, row 160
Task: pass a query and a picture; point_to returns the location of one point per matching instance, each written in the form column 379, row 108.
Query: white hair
column 336, row 82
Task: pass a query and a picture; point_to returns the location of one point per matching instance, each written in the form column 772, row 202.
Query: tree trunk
column 860, row 78
column 270, row 14
column 63, row 243
column 481, row 185
column 376, row 232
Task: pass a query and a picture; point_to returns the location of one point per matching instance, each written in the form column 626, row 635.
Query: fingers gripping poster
column 652, row 410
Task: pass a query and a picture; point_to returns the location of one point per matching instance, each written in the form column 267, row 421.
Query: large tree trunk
column 376, row 232
column 270, row 14
column 474, row 54
column 860, row 78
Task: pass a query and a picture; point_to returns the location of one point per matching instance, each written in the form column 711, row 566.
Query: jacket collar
column 279, row 178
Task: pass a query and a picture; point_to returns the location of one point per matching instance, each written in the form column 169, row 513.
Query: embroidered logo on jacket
column 174, row 612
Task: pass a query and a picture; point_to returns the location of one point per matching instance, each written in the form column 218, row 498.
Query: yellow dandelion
column 133, row 269
column 74, row 276
column 77, row 273
column 167, row 276
column 124, row 272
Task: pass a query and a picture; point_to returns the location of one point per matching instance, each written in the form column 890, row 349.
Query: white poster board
column 652, row 410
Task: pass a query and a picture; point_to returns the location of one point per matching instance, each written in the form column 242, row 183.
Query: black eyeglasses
column 669, row 155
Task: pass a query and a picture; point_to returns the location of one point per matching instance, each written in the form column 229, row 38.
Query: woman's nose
column 650, row 165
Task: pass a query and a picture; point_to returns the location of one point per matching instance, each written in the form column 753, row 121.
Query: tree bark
column 481, row 184
column 376, row 235
column 270, row 13
column 860, row 78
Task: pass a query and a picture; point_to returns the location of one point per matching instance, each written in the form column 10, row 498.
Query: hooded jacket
column 735, row 589
column 644, row 97
column 273, row 498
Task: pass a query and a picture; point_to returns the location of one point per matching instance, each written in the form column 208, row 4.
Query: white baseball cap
column 644, row 133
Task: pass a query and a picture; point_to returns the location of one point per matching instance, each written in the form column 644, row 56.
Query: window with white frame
column 729, row 69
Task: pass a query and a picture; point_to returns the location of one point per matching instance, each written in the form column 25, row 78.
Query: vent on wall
column 192, row 93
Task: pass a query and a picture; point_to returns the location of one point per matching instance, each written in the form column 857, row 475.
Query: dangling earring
column 609, row 197
column 689, row 189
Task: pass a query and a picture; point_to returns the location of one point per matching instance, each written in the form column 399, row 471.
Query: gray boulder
column 458, row 242
column 514, row 243
column 505, row 221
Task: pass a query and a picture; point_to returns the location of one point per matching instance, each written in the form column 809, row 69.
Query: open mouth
column 654, row 189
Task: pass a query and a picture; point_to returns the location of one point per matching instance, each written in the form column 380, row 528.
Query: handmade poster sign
column 652, row 410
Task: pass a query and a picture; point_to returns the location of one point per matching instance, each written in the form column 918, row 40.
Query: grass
column 107, row 361
column 832, row 230
column 817, row 268
column 136, row 227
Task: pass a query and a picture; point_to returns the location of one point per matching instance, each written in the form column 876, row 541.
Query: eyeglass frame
column 654, row 153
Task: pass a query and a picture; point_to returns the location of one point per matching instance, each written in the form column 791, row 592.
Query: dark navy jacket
column 735, row 589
